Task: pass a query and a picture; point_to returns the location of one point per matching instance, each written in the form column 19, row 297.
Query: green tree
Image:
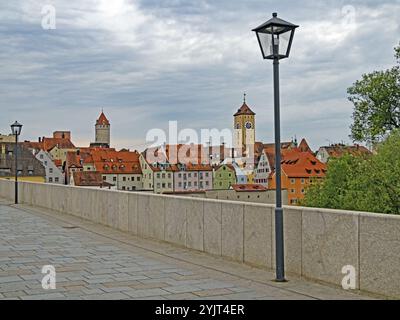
column 361, row 183
column 376, row 99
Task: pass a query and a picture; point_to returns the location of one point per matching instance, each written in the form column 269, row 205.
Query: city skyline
column 192, row 66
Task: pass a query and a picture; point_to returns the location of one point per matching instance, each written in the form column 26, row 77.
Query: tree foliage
column 361, row 183
column 376, row 99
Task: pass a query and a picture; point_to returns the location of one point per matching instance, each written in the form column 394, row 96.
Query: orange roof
column 298, row 164
column 338, row 150
column 244, row 110
column 47, row 144
column 110, row 161
column 89, row 179
column 303, row 146
column 102, row 119
column 248, row 187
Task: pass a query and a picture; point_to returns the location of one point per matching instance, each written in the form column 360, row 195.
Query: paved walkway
column 96, row 262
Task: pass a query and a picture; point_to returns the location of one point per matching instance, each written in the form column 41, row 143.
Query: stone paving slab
column 96, row 262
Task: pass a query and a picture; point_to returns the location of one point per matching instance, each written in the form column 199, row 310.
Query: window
column 169, row 185
column 163, row 175
column 104, row 178
column 133, row 178
column 30, row 172
column 114, row 178
column 179, row 175
column 206, row 183
column 158, row 176
column 163, row 185
column 292, row 181
column 45, row 163
column 50, row 179
column 169, row 176
column 195, row 174
column 123, row 188
column 190, row 175
column 302, row 181
column 189, row 184
column 207, row 174
column 302, row 191
column 293, row 191
column 158, row 185
column 138, row 179
column 41, row 156
column 180, row 184
column 123, row 178
column 195, row 183
column 56, row 179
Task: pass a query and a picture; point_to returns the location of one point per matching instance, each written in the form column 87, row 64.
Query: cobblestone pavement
column 96, row 262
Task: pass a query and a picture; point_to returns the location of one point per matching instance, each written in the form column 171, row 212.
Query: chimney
column 40, row 139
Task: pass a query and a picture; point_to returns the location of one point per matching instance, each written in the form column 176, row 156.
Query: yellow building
column 27, row 179
column 244, row 128
column 58, row 153
column 7, row 138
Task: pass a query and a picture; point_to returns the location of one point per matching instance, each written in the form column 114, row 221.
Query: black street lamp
column 275, row 39
column 16, row 130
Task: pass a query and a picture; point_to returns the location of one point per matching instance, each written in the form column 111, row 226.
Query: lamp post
column 275, row 39
column 16, row 130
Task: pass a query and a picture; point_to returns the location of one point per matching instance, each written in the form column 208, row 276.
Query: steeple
column 102, row 120
column 102, row 129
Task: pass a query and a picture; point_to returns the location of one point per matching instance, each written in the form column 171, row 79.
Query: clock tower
column 244, row 128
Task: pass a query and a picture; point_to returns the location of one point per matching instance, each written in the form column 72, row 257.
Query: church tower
column 102, row 128
column 244, row 128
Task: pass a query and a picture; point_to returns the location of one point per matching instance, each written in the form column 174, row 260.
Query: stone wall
column 318, row 242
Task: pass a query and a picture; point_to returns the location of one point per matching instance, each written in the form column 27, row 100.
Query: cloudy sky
column 150, row 61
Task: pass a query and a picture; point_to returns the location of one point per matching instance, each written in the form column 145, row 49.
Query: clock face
column 248, row 125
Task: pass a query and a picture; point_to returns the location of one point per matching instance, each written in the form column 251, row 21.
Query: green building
column 224, row 177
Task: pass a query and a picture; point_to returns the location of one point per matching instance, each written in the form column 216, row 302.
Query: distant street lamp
column 16, row 130
column 275, row 39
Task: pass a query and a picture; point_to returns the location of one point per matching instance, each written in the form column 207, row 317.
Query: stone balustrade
column 318, row 242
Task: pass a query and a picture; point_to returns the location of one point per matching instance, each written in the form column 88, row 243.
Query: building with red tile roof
column 249, row 187
column 299, row 169
column 102, row 132
column 89, row 179
column 338, row 150
column 119, row 168
column 47, row 144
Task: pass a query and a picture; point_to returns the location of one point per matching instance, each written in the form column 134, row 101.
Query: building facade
column 53, row 173
column 102, row 132
column 244, row 129
column 193, row 177
column 224, row 177
column 29, row 168
column 118, row 168
column 299, row 170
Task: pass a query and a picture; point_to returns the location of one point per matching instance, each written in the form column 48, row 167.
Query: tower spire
column 244, row 97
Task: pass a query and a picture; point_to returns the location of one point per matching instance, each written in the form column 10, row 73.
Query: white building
column 53, row 173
